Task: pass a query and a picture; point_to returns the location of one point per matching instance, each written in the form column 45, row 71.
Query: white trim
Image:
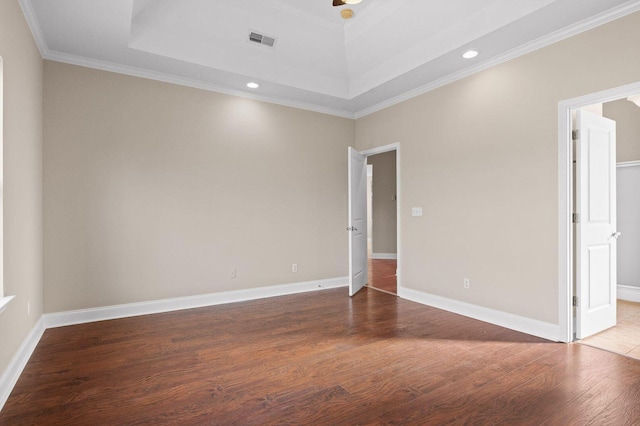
column 4, row 301
column 586, row 25
column 575, row 29
column 189, row 82
column 398, row 219
column 83, row 316
column 380, row 150
column 624, row 164
column 519, row 323
column 565, row 206
column 629, row 293
column 565, row 185
column 53, row 55
column 384, row 256
column 12, row 373
column 34, row 26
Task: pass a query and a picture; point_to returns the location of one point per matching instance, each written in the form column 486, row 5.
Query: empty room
column 191, row 197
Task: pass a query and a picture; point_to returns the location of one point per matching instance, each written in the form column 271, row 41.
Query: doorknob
column 351, row 228
column 615, row 235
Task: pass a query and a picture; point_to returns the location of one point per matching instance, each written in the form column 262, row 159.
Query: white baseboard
column 628, row 292
column 4, row 301
column 60, row 319
column 503, row 319
column 10, row 376
column 384, row 255
column 12, row 373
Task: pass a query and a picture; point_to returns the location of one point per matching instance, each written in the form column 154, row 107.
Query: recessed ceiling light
column 253, row 85
column 470, row 54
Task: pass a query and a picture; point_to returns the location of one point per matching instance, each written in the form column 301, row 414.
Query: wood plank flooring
column 624, row 338
column 382, row 275
column 318, row 358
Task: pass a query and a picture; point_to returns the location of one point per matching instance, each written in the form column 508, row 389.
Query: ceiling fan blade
column 338, row 3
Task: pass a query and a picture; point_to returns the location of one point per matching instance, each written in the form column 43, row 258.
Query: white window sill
column 4, row 301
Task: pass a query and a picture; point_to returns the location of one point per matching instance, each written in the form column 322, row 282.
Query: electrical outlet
column 232, row 273
column 294, row 267
column 466, row 283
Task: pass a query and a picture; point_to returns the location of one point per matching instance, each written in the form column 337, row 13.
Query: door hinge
column 575, row 135
column 576, row 218
column 576, row 301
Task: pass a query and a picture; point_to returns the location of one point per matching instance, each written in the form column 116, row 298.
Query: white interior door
column 596, row 231
column 357, row 221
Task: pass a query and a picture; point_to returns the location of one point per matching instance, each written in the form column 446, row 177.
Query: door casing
column 565, row 204
column 379, row 150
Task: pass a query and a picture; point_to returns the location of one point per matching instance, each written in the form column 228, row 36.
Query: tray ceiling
column 389, row 51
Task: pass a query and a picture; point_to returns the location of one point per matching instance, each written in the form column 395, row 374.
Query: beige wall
column 155, row 191
column 22, row 179
column 383, row 203
column 627, row 117
column 481, row 155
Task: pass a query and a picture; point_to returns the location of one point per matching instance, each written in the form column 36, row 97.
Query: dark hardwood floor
column 318, row 358
column 382, row 275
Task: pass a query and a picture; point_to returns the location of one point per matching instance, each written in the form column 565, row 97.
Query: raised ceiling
column 390, row 50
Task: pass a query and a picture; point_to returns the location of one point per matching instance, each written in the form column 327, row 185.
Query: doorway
column 624, row 337
column 571, row 279
column 382, row 228
column 380, row 257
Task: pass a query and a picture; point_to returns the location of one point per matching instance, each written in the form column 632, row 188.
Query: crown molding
column 34, row 26
column 585, row 25
column 570, row 31
column 188, row 82
column 52, row 55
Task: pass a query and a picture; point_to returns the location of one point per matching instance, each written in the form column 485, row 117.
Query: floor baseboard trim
column 82, row 316
column 629, row 293
column 503, row 319
column 12, row 373
column 59, row 319
column 384, row 255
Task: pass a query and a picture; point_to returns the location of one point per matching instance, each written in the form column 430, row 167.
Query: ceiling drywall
column 389, row 51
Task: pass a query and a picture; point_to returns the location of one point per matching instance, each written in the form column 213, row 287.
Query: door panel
column 599, row 273
column 599, row 175
column 357, row 221
column 596, row 227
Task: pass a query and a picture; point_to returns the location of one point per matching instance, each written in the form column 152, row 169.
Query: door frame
column 565, row 202
column 380, row 150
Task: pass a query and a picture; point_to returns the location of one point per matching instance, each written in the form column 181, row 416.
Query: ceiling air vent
column 262, row 39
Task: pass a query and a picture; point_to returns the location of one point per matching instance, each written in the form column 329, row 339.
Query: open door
column 357, row 221
column 596, row 232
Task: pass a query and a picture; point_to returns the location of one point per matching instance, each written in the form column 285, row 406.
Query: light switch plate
column 416, row 211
